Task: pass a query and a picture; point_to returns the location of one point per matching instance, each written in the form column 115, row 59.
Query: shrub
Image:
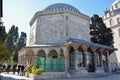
column 38, row 71
column 29, row 69
column 34, row 67
column 34, row 70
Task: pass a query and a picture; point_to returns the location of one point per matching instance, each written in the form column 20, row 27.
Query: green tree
column 21, row 43
column 4, row 53
column 99, row 32
column 12, row 39
column 22, row 40
column 3, row 33
column 14, row 42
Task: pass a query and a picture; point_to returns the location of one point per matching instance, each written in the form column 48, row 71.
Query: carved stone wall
column 58, row 28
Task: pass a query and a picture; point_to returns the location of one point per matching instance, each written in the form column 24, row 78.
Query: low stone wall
column 47, row 75
column 99, row 70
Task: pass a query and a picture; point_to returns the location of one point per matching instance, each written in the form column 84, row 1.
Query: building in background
column 112, row 20
column 60, row 42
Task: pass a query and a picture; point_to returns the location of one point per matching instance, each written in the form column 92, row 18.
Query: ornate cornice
column 58, row 11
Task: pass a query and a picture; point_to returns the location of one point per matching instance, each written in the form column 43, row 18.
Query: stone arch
column 41, row 53
column 53, row 54
column 20, row 58
column 30, row 57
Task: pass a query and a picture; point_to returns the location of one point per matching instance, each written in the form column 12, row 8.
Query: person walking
column 14, row 68
column 18, row 70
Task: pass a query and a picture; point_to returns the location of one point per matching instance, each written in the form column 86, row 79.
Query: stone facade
column 61, row 31
column 58, row 26
column 112, row 20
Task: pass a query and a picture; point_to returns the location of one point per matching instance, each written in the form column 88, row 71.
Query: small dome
column 61, row 6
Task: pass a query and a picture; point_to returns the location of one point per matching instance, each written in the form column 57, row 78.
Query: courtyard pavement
column 109, row 77
column 10, row 76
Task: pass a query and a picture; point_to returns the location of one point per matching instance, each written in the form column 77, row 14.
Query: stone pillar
column 35, row 56
column 66, row 59
column 95, row 62
column 46, row 52
column 102, row 60
column 108, row 63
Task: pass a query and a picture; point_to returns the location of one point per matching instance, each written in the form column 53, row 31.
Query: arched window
column 119, row 32
column 118, row 20
column 41, row 53
column 99, row 57
column 89, row 60
column 53, row 54
column 30, row 57
column 80, row 58
column 111, row 22
column 71, row 57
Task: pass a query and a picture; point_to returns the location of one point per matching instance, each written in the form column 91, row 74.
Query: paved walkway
column 10, row 76
column 110, row 77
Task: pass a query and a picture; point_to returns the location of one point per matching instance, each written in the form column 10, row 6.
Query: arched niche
column 53, row 54
column 30, row 57
column 41, row 53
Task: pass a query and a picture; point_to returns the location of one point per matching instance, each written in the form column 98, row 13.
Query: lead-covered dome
column 61, row 6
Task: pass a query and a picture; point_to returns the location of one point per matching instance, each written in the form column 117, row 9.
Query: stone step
column 88, row 74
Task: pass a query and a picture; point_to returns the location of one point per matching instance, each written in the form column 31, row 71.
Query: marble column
column 35, row 56
column 108, row 63
column 102, row 60
column 46, row 52
column 66, row 59
column 95, row 58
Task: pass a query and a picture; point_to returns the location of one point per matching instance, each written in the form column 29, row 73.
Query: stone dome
column 61, row 6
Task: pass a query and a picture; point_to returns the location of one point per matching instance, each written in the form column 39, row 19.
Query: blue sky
column 20, row 12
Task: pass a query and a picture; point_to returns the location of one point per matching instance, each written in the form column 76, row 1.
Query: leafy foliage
column 29, row 69
column 14, row 43
column 99, row 32
column 3, row 33
column 12, row 38
column 34, row 70
column 22, row 40
column 4, row 53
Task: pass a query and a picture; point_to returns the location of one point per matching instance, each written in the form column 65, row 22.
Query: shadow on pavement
column 8, row 78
